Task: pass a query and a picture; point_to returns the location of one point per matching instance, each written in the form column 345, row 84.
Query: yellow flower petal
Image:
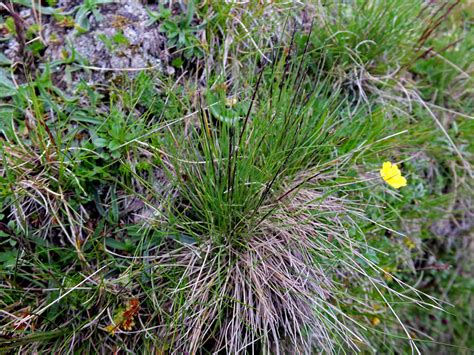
column 392, row 175
column 111, row 329
column 397, row 182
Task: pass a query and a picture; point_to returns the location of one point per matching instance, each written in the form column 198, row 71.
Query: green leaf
column 190, row 13
column 114, row 145
column 119, row 38
column 185, row 239
column 42, row 9
column 116, row 244
column 9, row 258
column 84, row 117
column 36, row 47
column 4, row 60
column 10, row 25
column 177, row 62
column 372, row 256
column 100, row 142
column 116, row 154
column 7, row 88
column 6, row 92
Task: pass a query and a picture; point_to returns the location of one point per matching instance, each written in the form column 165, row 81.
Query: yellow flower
column 375, row 321
column 409, row 243
column 392, row 175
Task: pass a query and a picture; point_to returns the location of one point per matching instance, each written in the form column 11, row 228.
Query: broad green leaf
column 7, row 88
column 44, row 10
column 4, row 60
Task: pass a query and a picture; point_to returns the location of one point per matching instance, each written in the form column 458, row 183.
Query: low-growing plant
column 84, row 10
column 181, row 33
column 160, row 15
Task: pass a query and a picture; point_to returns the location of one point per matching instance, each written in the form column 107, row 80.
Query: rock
column 119, row 39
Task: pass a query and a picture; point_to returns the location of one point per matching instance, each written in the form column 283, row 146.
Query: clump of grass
column 370, row 44
column 373, row 35
column 259, row 273
column 37, row 176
